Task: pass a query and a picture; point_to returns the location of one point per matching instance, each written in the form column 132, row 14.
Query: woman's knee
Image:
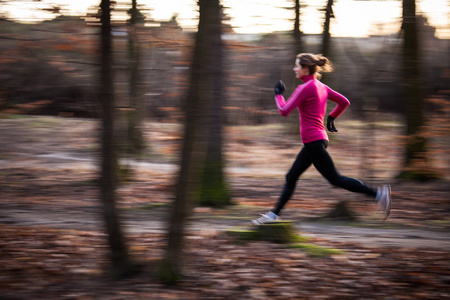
column 336, row 180
column 291, row 179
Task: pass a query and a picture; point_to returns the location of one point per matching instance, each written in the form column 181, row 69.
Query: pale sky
column 353, row 18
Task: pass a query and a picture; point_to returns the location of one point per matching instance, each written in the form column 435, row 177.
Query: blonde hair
column 316, row 63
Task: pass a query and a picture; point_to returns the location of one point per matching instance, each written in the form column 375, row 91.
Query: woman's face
column 299, row 70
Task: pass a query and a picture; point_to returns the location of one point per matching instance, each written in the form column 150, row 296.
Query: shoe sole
column 255, row 222
column 387, row 210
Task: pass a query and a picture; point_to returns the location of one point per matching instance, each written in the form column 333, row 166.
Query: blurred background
column 69, row 102
column 50, row 58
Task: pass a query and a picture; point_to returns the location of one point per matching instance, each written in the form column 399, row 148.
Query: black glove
column 280, row 88
column 330, row 124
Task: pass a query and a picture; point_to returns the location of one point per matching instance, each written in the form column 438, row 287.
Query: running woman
column 310, row 98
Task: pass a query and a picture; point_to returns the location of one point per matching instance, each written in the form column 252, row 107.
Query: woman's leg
column 323, row 162
column 301, row 163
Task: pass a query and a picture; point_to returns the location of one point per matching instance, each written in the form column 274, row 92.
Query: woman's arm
column 285, row 107
column 340, row 100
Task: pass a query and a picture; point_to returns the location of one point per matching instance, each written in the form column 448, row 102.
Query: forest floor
column 52, row 244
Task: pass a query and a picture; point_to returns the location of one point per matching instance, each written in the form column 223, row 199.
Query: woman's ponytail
column 316, row 63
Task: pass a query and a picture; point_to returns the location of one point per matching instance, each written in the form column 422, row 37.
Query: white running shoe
column 266, row 218
column 384, row 200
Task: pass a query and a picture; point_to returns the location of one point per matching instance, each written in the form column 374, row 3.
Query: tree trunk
column 413, row 103
column 213, row 189
column 293, row 122
column 135, row 143
column 326, row 36
column 297, row 32
column 201, row 91
column 415, row 149
column 118, row 250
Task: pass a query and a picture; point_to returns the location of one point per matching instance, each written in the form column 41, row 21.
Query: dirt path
column 153, row 221
column 403, row 238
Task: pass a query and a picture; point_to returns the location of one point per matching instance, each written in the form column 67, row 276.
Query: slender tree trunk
column 293, row 121
column 194, row 145
column 326, row 36
column 297, row 32
column 213, row 189
column 136, row 115
column 118, row 249
column 416, row 145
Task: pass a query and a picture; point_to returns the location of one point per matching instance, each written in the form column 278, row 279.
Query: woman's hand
column 280, row 88
column 330, row 124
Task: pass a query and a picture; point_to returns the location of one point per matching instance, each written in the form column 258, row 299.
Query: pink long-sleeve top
column 310, row 99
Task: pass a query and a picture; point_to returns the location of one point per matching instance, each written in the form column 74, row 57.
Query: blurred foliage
column 63, row 52
column 49, row 68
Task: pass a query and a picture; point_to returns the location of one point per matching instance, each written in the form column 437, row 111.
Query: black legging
column 316, row 153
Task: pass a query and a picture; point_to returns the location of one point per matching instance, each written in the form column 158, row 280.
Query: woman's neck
column 307, row 78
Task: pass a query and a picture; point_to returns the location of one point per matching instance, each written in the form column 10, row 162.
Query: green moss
column 213, row 191
column 151, row 206
column 316, row 251
column 300, row 239
column 217, row 197
column 279, row 232
column 243, row 234
column 166, row 274
column 13, row 116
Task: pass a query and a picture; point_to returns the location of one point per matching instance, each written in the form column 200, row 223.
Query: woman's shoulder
column 312, row 84
column 320, row 84
column 309, row 83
